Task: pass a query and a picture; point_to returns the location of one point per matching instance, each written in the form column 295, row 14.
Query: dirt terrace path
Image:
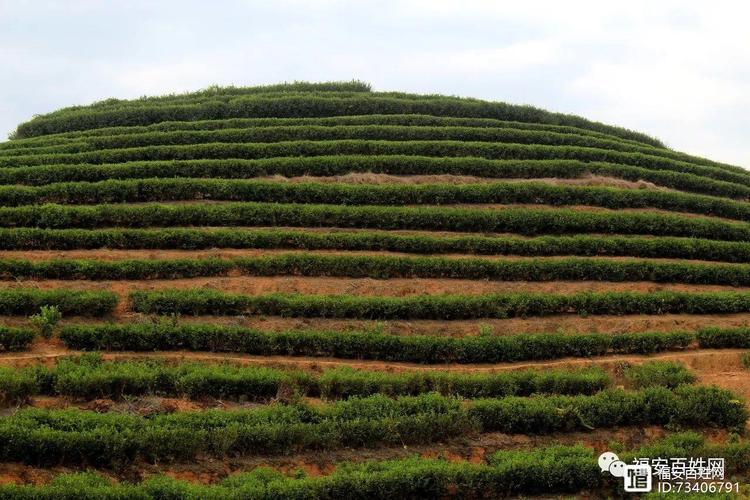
column 563, row 324
column 394, row 287
column 474, row 206
column 705, row 361
column 108, row 254
column 373, row 178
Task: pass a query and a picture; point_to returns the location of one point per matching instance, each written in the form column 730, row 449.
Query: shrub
column 373, row 127
column 148, row 190
column 309, row 105
column 15, row 339
column 75, row 436
column 358, row 345
column 188, row 238
column 724, row 337
column 383, row 267
column 46, row 320
column 21, row 301
column 90, row 377
column 696, row 182
column 668, row 374
column 446, row 307
column 538, row 471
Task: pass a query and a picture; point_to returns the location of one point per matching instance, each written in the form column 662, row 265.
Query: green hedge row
column 444, row 307
column 269, row 134
column 161, row 189
column 394, row 120
column 116, row 439
column 669, row 374
column 719, row 338
column 492, row 151
column 25, row 301
column 395, row 165
column 219, row 97
column 548, row 470
column 89, row 377
column 586, row 269
column 526, row 221
column 311, row 106
column 193, row 239
column 73, row 269
column 686, row 405
column 365, row 345
column 226, row 94
column 74, row 436
column 539, row 471
column 361, row 120
column 383, row 267
column 15, row 339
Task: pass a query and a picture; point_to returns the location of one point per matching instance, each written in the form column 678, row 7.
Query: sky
column 677, row 70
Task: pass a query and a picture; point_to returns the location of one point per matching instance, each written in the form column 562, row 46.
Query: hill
column 317, row 289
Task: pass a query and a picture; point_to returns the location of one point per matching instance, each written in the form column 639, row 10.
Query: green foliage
column 347, row 382
column 15, row 339
column 724, row 337
column 89, row 377
column 668, row 374
column 685, row 406
column 46, row 320
column 281, row 130
column 383, row 267
column 395, row 119
column 108, row 166
column 490, row 151
column 16, row 386
column 148, row 190
column 446, row 307
column 279, row 133
column 697, row 180
column 356, row 345
column 305, row 105
column 543, row 471
column 527, row 221
column 26, row 301
column 74, row 436
column 189, row 238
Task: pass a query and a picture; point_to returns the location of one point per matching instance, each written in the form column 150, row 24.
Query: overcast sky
column 678, row 70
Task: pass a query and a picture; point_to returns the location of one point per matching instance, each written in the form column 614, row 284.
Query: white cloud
column 478, row 61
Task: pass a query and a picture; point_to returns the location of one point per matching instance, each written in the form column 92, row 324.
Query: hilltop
column 462, row 297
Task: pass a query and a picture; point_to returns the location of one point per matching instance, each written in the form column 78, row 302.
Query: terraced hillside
column 320, row 291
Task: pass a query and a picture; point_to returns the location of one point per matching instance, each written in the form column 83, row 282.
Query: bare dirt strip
column 108, row 254
column 373, row 178
column 476, row 206
column 394, row 287
column 562, row 324
column 722, row 367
